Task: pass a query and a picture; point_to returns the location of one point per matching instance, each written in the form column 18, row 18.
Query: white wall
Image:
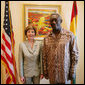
column 17, row 12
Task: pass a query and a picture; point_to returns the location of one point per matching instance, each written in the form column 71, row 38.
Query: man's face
column 55, row 23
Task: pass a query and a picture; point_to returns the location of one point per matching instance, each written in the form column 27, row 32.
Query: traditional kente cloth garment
column 60, row 56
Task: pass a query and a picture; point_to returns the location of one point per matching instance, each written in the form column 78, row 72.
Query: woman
column 30, row 58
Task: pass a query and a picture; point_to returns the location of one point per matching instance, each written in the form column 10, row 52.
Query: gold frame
column 32, row 6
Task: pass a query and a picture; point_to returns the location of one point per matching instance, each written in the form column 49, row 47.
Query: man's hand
column 46, row 77
column 22, row 79
column 71, row 76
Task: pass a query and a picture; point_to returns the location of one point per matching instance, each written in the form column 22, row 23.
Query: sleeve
column 21, row 73
column 45, row 66
column 74, row 55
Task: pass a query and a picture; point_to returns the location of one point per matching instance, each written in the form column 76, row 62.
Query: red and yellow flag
column 73, row 25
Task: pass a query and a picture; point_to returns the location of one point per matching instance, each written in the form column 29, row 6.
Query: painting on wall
column 39, row 16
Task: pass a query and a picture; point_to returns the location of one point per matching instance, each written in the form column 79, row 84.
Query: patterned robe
column 60, row 57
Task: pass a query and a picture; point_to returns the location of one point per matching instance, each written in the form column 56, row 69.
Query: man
column 60, row 53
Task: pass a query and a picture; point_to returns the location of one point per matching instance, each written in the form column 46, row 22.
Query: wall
column 17, row 12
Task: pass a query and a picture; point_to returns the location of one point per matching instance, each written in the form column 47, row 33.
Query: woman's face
column 30, row 34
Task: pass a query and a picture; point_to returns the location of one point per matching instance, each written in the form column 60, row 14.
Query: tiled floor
column 44, row 81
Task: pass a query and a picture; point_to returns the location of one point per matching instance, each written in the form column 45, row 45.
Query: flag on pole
column 73, row 26
column 7, row 47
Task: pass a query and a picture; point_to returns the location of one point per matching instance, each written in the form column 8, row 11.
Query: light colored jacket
column 30, row 60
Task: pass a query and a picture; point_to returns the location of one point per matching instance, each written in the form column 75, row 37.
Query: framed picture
column 38, row 16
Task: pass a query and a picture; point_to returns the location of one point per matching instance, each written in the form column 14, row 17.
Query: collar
column 53, row 35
